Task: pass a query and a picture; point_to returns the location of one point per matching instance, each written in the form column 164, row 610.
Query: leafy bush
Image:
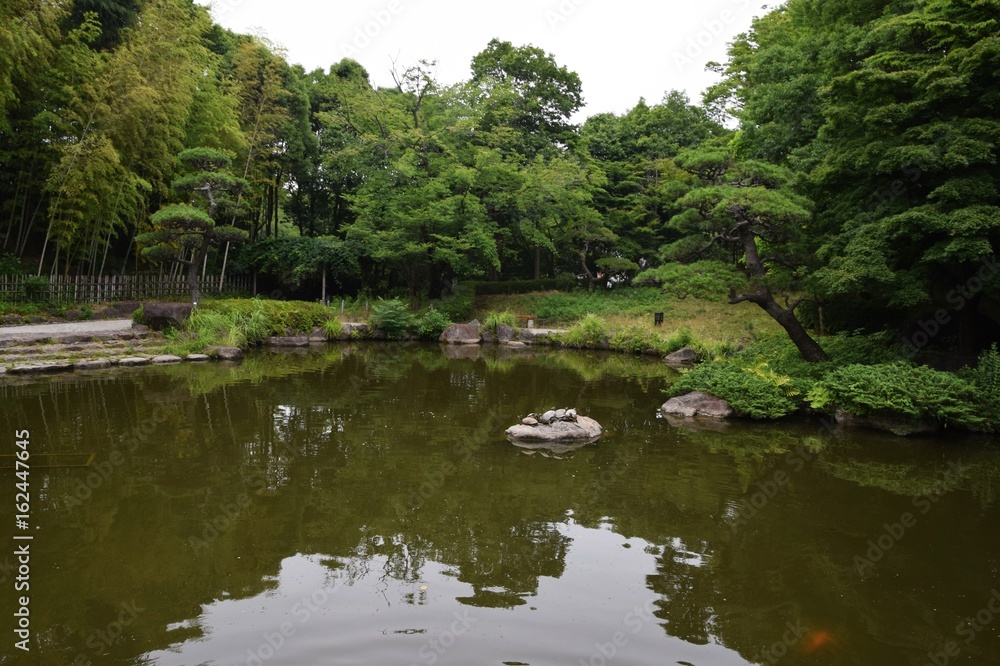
column 332, row 328
column 270, row 317
column 563, row 282
column 757, row 392
column 590, row 331
column 845, row 349
column 567, row 307
column 36, row 288
column 495, row 320
column 392, row 318
column 206, row 329
column 635, row 340
column 458, row 306
column 900, row 389
column 682, row 337
column 986, row 379
column 432, row 324
column 11, row 265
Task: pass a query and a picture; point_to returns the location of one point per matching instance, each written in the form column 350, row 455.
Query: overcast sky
column 622, row 49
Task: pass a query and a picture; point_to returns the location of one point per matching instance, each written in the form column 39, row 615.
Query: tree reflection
column 387, row 461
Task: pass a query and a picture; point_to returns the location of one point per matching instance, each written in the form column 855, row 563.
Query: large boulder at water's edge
column 698, row 404
column 682, row 357
column 461, row 334
column 506, row 333
column 563, row 425
column 159, row 316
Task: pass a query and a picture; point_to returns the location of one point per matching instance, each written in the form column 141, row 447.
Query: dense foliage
column 860, row 190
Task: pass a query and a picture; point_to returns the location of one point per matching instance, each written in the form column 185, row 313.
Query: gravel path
column 45, row 331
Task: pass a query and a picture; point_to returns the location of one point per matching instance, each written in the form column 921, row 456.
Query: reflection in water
column 361, row 506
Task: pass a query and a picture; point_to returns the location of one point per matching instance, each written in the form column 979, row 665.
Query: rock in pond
column 698, row 404
column 548, row 428
column 461, row 334
column 228, row 353
column 166, row 359
column 682, row 357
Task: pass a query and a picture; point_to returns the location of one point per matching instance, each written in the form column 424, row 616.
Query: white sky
column 622, row 49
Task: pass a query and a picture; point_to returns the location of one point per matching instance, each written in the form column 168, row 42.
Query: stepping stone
column 297, row 341
column 40, row 368
column 166, row 359
column 198, row 358
column 229, row 353
column 133, row 362
column 96, row 364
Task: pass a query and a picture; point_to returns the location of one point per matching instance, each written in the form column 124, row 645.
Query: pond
column 360, row 505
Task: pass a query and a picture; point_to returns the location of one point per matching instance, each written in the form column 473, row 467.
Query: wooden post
column 323, row 296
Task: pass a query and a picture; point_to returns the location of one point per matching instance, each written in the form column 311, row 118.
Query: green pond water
column 360, row 505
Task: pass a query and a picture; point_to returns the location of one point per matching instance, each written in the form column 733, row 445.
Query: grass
column 245, row 322
column 628, row 313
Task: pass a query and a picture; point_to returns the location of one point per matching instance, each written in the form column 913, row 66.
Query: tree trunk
column 762, row 296
column 808, row 348
column 591, row 278
column 323, row 295
column 192, row 273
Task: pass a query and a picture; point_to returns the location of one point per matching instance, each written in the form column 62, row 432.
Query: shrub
column 986, row 379
column 635, row 340
column 563, row 282
column 756, row 392
column 266, row 317
column 392, row 318
column 590, row 331
column 682, row 337
column 11, row 265
column 902, row 390
column 332, row 328
column 495, row 320
column 432, row 324
column 36, row 288
column 458, row 306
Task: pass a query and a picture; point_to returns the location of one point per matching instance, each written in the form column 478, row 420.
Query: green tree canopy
column 185, row 232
